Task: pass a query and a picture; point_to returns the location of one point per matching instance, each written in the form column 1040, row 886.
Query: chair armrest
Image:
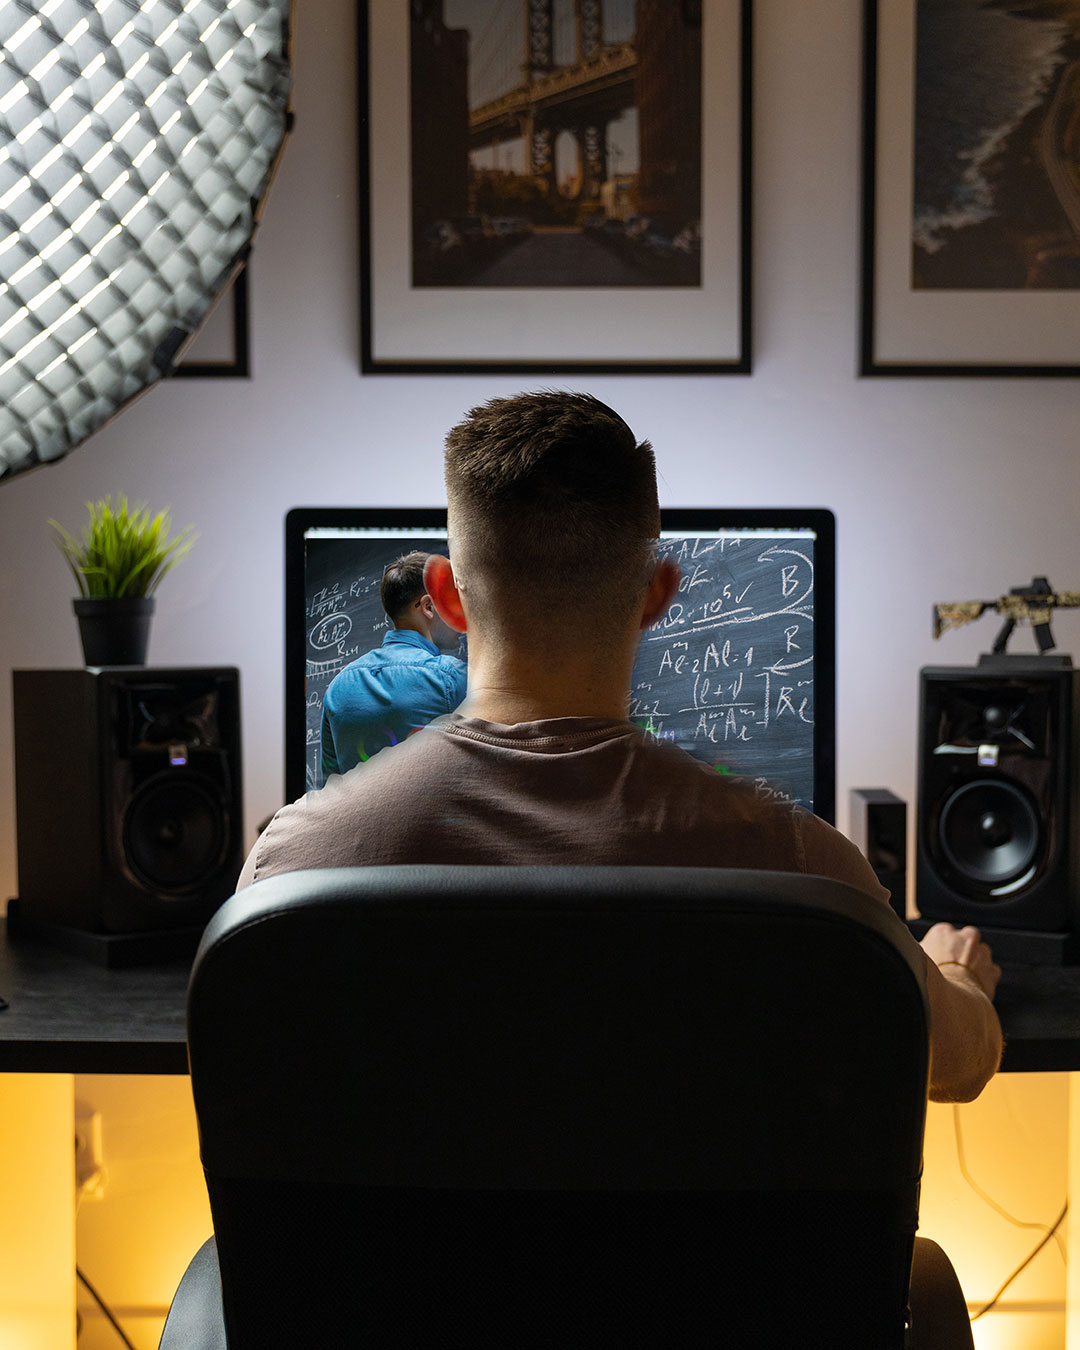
column 196, row 1320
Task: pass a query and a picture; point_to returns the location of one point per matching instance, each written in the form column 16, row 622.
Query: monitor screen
column 739, row 672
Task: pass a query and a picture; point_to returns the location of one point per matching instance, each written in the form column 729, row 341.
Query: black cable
column 988, row 1199
column 1023, row 1264
column 1051, row 1231
column 104, row 1308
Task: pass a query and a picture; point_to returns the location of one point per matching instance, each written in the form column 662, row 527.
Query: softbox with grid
column 137, row 141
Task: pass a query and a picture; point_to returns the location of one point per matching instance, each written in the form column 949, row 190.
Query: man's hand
column 950, row 947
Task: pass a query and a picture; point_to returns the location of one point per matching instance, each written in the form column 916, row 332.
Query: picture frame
column 942, row 292
column 230, row 322
column 607, row 304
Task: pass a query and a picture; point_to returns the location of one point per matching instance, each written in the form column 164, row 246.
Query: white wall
column 943, row 489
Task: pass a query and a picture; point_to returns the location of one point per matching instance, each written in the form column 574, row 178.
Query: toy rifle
column 1024, row 604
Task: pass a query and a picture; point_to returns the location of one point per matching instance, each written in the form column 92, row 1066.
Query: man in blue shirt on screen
column 387, row 694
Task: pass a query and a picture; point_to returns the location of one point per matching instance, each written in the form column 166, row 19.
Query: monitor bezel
column 674, row 519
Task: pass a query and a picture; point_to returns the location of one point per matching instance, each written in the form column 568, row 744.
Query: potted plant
column 117, row 563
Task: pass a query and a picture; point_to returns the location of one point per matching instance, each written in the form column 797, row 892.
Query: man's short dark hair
column 551, row 493
column 403, row 584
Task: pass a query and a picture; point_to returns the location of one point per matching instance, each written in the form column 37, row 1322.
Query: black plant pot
column 114, row 631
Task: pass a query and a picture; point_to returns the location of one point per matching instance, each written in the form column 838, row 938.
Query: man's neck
column 551, row 686
column 408, row 627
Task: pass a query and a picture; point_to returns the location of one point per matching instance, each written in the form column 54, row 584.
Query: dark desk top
column 68, row 1015
column 1039, row 1007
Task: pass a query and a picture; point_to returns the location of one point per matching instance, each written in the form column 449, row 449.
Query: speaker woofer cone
column 989, row 831
column 174, row 832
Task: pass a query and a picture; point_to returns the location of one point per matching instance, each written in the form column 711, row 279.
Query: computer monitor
column 740, row 672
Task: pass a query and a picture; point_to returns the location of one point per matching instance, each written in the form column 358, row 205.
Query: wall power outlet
column 89, row 1153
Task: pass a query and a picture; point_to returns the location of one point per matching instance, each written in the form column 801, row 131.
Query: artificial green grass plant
column 122, row 552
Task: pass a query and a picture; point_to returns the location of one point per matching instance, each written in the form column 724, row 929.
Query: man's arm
column 965, row 1034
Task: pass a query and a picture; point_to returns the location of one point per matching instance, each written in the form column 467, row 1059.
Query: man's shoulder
column 337, row 824
column 405, row 647
column 676, row 763
column 448, row 662
column 349, row 680
column 761, row 817
column 360, row 663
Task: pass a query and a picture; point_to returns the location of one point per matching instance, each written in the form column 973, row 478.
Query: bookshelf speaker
column 128, row 796
column 997, row 840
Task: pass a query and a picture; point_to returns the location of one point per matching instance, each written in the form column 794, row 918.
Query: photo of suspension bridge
column 555, row 143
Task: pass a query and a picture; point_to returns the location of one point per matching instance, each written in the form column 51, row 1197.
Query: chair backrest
column 559, row 1106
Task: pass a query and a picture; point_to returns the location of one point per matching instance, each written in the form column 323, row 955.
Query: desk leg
column 37, row 1211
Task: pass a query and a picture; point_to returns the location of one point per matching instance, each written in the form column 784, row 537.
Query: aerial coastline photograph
column 997, row 145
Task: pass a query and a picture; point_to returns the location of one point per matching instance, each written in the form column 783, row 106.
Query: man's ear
column 663, row 588
column 441, row 587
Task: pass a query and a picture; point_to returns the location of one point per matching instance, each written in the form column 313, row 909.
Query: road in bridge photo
column 565, row 256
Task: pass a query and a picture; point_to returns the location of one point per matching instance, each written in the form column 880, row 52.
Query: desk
column 1039, row 1007
column 70, row 1016
column 67, row 1015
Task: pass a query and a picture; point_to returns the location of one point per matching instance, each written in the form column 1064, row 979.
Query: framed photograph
column 555, row 186
column 971, row 197
column 221, row 349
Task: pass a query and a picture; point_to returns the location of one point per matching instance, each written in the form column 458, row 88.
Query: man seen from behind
column 553, row 573
column 387, row 694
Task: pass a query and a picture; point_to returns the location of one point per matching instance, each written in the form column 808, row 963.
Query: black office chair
column 510, row 1107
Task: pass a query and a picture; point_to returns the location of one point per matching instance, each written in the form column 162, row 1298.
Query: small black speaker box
column 128, row 797
column 997, row 840
column 878, row 826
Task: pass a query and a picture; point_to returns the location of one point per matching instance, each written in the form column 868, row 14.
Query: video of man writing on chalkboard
column 727, row 674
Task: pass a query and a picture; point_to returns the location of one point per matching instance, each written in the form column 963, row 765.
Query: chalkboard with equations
column 739, row 672
column 728, row 673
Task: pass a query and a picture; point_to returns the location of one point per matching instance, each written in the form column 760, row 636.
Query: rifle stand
column 1019, row 663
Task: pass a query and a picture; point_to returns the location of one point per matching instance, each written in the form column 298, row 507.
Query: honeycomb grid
column 137, row 138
